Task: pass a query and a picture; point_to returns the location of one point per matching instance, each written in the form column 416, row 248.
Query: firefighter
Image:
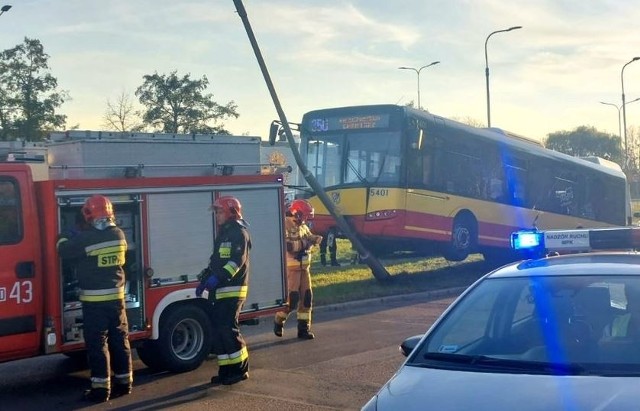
column 299, row 240
column 226, row 279
column 98, row 252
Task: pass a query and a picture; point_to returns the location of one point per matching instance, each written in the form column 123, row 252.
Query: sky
column 549, row 76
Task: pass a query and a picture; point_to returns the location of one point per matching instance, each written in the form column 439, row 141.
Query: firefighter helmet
column 230, row 206
column 301, row 209
column 97, row 207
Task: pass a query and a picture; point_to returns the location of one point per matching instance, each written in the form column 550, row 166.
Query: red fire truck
column 161, row 187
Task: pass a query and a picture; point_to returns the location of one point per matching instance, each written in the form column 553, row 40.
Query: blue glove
column 200, row 289
column 210, row 284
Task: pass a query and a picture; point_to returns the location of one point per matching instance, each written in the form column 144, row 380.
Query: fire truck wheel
column 185, row 338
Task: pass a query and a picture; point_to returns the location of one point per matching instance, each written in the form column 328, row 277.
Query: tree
column 28, row 93
column 178, row 105
column 586, row 141
column 121, row 115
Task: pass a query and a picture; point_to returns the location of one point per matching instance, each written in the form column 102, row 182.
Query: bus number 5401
column 378, row 192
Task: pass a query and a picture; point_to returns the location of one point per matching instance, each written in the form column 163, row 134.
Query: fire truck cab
column 161, row 187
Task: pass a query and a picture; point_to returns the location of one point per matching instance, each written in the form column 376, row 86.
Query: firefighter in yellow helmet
column 99, row 254
column 227, row 278
column 299, row 240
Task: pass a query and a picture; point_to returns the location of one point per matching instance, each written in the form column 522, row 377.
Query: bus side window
column 516, row 180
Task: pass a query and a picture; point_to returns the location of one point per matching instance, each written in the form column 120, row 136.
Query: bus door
column 20, row 264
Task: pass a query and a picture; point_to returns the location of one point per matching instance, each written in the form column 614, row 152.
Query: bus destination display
column 349, row 122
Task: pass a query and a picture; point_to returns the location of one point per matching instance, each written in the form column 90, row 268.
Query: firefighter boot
column 96, row 395
column 278, row 329
column 304, row 331
column 323, row 260
column 334, row 262
column 118, row 390
column 278, row 323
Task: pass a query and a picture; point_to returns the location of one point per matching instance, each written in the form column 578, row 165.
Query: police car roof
column 593, row 263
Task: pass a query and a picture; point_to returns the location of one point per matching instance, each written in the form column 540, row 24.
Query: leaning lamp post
column 486, row 68
column 5, row 9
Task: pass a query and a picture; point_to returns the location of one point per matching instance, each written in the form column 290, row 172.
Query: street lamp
column 486, row 69
column 624, row 112
column 618, row 108
column 418, row 74
column 4, row 9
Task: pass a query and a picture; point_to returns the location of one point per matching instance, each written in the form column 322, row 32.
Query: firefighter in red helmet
column 99, row 255
column 226, row 278
column 299, row 240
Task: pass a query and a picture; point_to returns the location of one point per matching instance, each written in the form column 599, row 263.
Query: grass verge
column 348, row 282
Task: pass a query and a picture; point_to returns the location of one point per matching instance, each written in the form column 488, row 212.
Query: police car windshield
column 565, row 321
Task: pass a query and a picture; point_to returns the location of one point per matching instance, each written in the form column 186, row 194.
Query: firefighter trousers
column 228, row 344
column 300, row 296
column 106, row 334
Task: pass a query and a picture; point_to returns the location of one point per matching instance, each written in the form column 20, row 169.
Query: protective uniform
column 299, row 240
column 226, row 277
column 99, row 254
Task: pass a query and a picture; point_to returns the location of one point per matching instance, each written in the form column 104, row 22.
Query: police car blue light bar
column 623, row 238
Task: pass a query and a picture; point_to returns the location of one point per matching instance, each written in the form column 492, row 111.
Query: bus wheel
column 463, row 238
column 185, row 338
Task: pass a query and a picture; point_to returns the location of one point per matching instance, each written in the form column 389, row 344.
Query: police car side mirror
column 409, row 344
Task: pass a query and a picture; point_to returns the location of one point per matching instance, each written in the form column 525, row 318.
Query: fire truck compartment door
column 181, row 233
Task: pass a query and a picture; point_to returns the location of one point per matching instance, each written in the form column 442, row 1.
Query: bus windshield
column 369, row 158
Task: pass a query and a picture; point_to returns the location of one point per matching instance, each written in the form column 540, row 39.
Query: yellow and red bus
column 409, row 180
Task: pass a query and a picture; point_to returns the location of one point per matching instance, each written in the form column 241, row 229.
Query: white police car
column 547, row 333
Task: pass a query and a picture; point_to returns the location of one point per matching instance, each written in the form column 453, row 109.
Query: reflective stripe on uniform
column 239, row 291
column 109, row 253
column 303, row 316
column 97, row 382
column 124, row 378
column 235, row 358
column 115, row 244
column 108, row 294
column 231, row 267
column 224, row 251
column 60, row 241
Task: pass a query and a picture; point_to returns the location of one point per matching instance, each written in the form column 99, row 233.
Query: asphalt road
column 355, row 352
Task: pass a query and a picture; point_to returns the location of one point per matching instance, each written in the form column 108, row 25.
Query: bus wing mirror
column 274, row 131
